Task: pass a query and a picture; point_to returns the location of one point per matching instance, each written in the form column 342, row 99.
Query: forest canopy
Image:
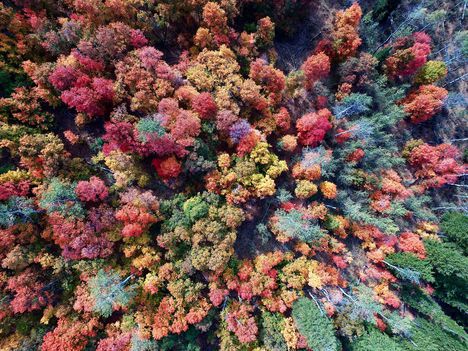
column 233, row 175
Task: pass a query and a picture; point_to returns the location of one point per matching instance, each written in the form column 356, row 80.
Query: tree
column 431, row 72
column 16, row 210
column 345, row 36
column 315, row 68
column 424, row 103
column 109, row 292
column 93, row 190
column 317, row 328
column 373, row 339
column 60, row 197
column 312, row 127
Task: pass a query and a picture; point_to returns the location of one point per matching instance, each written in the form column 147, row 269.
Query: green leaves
column 455, row 225
column 294, row 225
column 60, row 197
column 16, row 210
column 316, row 327
column 374, row 340
column 109, row 291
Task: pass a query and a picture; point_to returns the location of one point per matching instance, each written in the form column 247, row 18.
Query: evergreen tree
column 316, row 327
column 109, row 291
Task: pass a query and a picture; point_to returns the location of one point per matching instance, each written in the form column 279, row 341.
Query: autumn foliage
column 216, row 175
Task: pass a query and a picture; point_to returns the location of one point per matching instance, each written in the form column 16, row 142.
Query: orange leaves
column 345, row 32
column 410, row 242
column 70, row 335
column 167, row 168
column 424, row 102
column 135, row 219
column 240, row 320
column 315, row 68
column 328, row 190
column 139, row 210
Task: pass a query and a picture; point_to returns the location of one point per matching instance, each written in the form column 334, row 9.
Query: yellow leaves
column 305, row 189
column 290, row 333
column 264, row 185
column 47, row 315
column 260, row 154
column 278, row 167
column 302, row 271
column 215, row 68
column 224, row 161
column 328, row 190
column 14, row 176
column 428, row 230
column 124, row 168
column 314, row 279
column 252, row 175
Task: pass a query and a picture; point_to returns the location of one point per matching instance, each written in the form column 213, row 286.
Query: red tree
column 410, row 53
column 69, row 336
column 315, row 68
column 312, row 127
column 424, row 103
column 93, row 190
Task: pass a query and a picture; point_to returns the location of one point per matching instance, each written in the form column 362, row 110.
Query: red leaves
column 93, row 97
column 167, row 168
column 435, row 165
column 315, row 68
column 93, row 190
column 410, row 242
column 424, row 103
column 204, row 105
column 241, row 321
column 11, row 188
column 410, row 53
column 78, row 239
column 30, row 294
column 312, row 127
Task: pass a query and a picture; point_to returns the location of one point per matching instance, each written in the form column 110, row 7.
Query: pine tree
column 316, row 327
column 109, row 291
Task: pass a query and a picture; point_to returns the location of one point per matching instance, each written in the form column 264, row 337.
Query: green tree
column 270, row 332
column 16, row 210
column 374, row 340
column 109, row 291
column 450, row 268
column 454, row 225
column 61, row 197
column 316, row 327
